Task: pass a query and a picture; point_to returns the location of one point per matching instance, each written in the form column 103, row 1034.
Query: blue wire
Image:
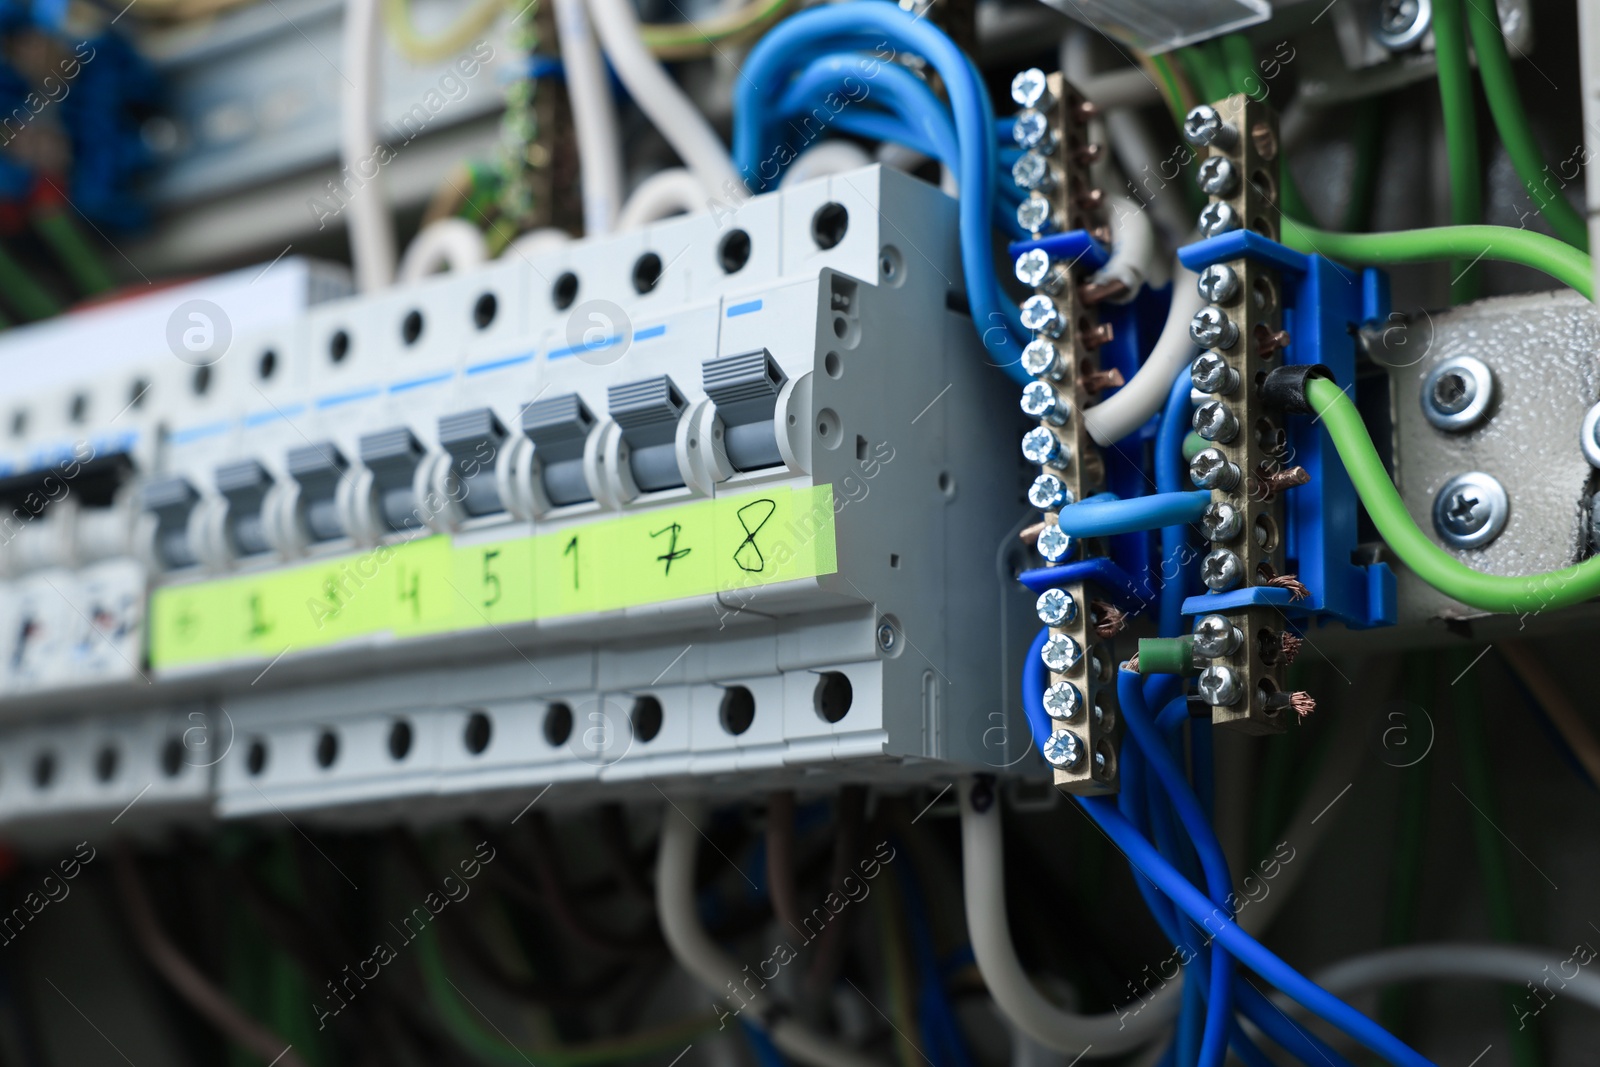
column 896, row 88
column 946, row 1045
column 766, row 1054
column 1219, row 1010
column 1169, row 479
column 1103, row 517
column 1033, row 683
column 1247, row 949
column 872, row 26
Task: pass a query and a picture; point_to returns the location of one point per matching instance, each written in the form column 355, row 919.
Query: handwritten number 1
column 572, row 550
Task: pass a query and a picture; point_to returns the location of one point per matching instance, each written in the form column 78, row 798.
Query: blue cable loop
column 1170, row 479
column 1103, row 515
column 874, row 27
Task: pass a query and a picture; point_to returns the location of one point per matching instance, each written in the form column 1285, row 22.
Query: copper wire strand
column 1269, row 576
column 1303, row 703
column 1109, row 621
column 1290, row 646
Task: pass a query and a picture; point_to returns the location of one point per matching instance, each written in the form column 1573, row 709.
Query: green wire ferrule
column 1166, row 655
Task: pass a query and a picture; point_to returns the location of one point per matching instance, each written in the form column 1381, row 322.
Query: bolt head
column 1219, row 686
column 1218, row 176
column 1457, row 393
column 1203, row 125
column 1470, row 510
column 1040, row 314
column 1221, row 521
column 886, row 637
column 1039, row 401
column 1031, row 171
column 1047, row 493
column 1033, row 267
column 1055, row 545
column 1221, row 570
column 1217, row 218
column 1033, row 214
column 1210, row 469
column 1061, row 653
column 1216, row 636
column 1399, row 24
column 1043, row 447
column 1219, row 283
column 1211, row 374
column 1031, row 129
column 1062, row 701
column 1041, row 359
column 1211, row 328
column 1030, row 88
column 1056, row 607
column 1064, row 750
column 1215, row 421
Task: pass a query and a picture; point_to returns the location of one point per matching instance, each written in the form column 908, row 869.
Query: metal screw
column 1040, row 314
column 1063, row 701
column 1036, row 270
column 1055, row 545
column 1033, row 171
column 1211, row 374
column 1457, row 393
column 1589, row 436
column 1102, row 763
column 1047, row 493
column 1033, row 214
column 1031, row 88
column 1219, row 686
column 1056, row 607
column 1032, row 130
column 886, row 637
column 1041, row 446
column 1470, row 510
column 1219, row 283
column 1215, row 421
column 1064, row 750
column 1061, row 653
column 1221, row 570
column 1041, row 359
column 1210, row 469
column 1204, row 126
column 1218, row 176
column 1039, row 401
column 1216, row 636
column 1399, row 24
column 1221, row 521
column 1211, row 328
column 1218, row 217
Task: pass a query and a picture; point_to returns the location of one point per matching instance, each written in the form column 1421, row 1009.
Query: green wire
column 1488, row 592
column 1239, row 59
column 22, row 293
column 471, row 1031
column 1505, row 105
column 1476, row 763
column 89, row 274
column 1460, row 135
column 1559, row 260
column 1405, row 885
column 1172, row 94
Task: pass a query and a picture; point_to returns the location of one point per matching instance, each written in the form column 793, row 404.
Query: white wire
column 594, row 114
column 827, row 157
column 660, row 98
column 696, row 953
column 1130, row 407
column 371, row 229
column 1516, row 965
column 673, row 191
column 537, row 242
column 983, row 878
column 1133, row 247
column 449, row 244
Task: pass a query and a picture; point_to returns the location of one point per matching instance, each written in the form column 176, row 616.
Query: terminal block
column 1064, row 211
column 1244, row 461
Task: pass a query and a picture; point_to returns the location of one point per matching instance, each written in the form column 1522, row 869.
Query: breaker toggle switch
column 745, row 390
column 392, row 456
column 473, row 440
column 648, row 414
column 244, row 485
column 172, row 500
column 318, row 469
column 558, row 426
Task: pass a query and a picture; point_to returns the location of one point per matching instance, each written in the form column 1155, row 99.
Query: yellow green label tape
column 432, row 585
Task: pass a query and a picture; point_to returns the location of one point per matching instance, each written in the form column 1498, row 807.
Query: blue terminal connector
column 1324, row 306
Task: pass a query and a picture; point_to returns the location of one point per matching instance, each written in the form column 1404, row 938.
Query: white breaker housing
column 802, row 339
